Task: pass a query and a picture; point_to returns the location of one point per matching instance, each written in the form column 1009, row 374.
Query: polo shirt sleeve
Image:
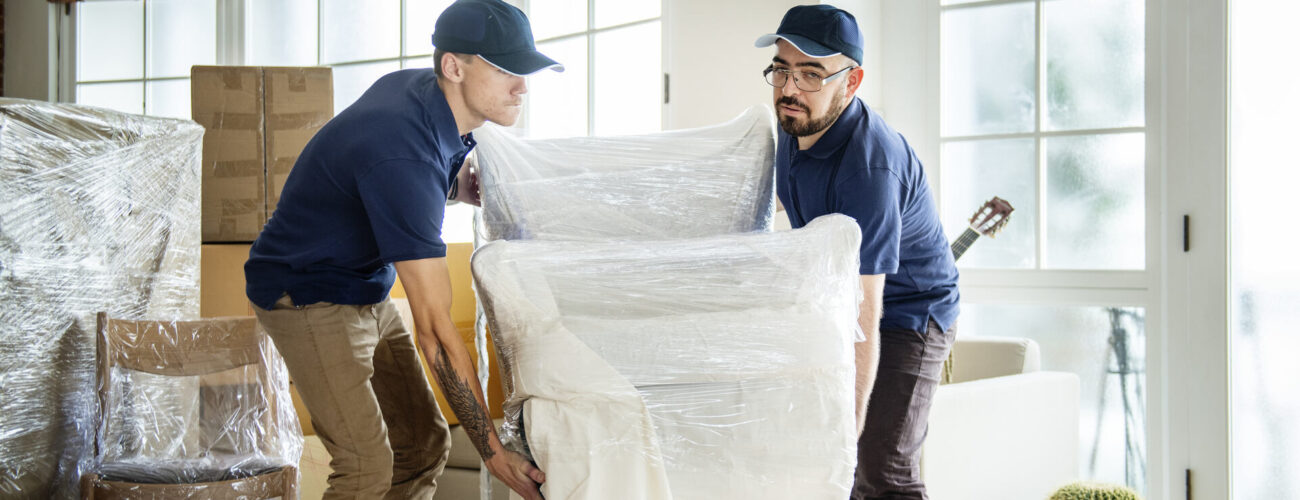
column 873, row 196
column 404, row 201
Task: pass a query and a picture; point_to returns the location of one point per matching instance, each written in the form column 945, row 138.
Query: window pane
column 629, row 81
column 1265, row 99
column 281, row 33
column 1106, row 348
column 182, row 33
column 421, row 15
column 551, row 18
column 1095, row 63
column 358, row 31
column 976, row 171
column 612, row 12
column 352, row 80
column 987, row 63
column 1095, row 210
column 557, row 102
column 458, row 223
column 110, row 40
column 126, row 97
column 168, row 98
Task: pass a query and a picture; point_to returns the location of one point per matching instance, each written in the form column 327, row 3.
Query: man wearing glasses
column 836, row 155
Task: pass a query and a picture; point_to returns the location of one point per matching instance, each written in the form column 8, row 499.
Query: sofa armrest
column 1013, row 437
column 987, row 357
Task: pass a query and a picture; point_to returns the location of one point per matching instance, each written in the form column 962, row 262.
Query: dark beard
column 813, row 125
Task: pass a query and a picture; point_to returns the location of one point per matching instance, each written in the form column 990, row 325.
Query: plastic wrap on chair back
column 192, row 403
column 679, row 184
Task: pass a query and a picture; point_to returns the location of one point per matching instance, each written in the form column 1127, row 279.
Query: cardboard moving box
column 258, row 119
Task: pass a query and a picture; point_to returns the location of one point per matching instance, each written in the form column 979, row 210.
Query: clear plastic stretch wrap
column 680, row 184
column 704, row 368
column 193, row 409
column 99, row 211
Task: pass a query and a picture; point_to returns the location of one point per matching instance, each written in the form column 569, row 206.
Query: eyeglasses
column 803, row 80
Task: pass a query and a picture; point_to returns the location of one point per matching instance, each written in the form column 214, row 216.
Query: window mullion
column 1040, row 149
column 144, row 62
column 320, row 32
column 591, row 67
column 232, row 40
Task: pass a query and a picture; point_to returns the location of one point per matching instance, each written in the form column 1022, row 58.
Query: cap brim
column 803, row 44
column 522, row 63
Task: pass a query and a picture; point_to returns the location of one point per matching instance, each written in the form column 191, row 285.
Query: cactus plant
column 1094, row 491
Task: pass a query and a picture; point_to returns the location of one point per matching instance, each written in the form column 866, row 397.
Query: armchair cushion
column 987, row 357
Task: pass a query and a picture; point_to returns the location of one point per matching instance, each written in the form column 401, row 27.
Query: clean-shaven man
column 363, row 204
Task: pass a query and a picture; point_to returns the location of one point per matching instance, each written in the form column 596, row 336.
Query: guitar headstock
column 991, row 217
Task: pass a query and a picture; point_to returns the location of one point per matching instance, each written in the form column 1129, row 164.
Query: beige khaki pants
column 359, row 375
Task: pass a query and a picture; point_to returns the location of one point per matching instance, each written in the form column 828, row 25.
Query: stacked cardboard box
column 258, row 119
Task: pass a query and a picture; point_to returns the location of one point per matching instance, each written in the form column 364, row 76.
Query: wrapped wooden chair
column 191, row 409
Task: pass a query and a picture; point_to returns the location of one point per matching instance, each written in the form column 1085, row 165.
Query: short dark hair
column 437, row 60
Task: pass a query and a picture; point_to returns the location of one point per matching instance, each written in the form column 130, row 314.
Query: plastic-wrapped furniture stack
column 99, row 211
column 656, row 341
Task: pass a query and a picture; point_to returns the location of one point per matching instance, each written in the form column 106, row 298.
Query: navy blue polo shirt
column 862, row 168
column 368, row 190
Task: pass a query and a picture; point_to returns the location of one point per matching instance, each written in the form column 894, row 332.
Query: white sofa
column 1002, row 428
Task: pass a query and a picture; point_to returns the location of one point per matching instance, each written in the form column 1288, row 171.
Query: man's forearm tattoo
column 460, row 396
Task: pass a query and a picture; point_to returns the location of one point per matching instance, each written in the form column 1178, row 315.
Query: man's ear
column 453, row 67
column 855, row 80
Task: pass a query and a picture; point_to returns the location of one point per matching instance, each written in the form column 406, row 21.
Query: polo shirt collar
column 839, row 133
column 446, row 134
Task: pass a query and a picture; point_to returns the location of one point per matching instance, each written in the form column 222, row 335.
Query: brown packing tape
column 222, row 120
column 231, row 89
column 244, row 168
column 233, row 207
column 304, row 120
column 297, row 82
column 233, row 79
column 299, row 90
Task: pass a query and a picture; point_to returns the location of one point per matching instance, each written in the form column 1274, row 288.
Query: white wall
column 31, row 46
column 716, row 72
column 870, row 20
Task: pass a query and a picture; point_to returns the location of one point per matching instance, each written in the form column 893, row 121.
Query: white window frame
column 590, row 32
column 1185, row 294
column 230, row 44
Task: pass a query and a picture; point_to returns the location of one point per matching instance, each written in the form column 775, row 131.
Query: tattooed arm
column 428, row 288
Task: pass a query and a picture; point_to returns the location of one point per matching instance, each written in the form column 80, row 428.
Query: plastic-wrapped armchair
column 192, row 409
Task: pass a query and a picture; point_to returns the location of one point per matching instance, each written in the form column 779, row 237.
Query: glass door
column 1264, row 101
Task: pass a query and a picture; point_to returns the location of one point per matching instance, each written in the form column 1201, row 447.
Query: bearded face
column 806, row 123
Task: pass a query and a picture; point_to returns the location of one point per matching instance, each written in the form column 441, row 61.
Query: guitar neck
column 963, row 242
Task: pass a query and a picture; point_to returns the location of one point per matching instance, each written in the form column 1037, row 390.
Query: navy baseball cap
column 818, row 31
column 494, row 30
